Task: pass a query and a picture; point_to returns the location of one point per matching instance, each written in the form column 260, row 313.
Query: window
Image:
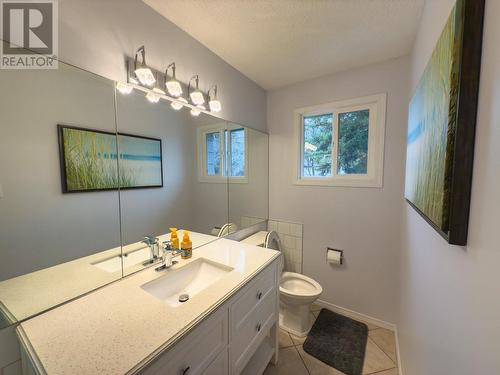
column 342, row 143
column 222, row 154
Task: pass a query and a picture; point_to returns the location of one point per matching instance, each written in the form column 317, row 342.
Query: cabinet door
column 220, row 365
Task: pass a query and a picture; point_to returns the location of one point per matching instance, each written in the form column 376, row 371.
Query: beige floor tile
column 315, row 307
column 392, row 371
column 371, row 326
column 297, row 340
column 386, row 341
column 315, row 366
column 375, row 359
column 289, row 363
column 284, row 339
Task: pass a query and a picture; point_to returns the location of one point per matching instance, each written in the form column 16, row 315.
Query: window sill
column 341, row 182
column 223, row 180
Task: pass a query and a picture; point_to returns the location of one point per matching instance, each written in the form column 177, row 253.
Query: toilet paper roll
column 334, row 256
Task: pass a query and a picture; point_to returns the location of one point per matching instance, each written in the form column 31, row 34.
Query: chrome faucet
column 153, row 243
column 168, row 255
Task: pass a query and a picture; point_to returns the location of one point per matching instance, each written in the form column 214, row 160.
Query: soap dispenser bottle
column 186, row 246
column 174, row 238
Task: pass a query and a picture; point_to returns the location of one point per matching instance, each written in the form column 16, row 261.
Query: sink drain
column 183, row 297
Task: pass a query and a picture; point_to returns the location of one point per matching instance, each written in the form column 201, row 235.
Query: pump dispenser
column 173, row 238
column 186, row 246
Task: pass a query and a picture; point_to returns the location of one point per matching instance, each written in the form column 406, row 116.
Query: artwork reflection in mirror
column 88, row 160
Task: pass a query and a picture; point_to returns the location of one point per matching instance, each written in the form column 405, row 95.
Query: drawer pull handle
column 259, row 295
column 259, row 326
column 186, row 371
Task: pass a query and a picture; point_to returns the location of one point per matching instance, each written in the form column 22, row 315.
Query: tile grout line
column 302, row 359
column 387, row 355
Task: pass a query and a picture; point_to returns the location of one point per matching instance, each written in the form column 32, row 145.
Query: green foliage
column 353, row 142
column 318, row 145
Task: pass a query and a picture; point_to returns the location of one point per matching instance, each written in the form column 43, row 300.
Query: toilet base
column 295, row 319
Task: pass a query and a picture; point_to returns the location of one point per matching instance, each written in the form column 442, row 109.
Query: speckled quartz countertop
column 30, row 294
column 117, row 328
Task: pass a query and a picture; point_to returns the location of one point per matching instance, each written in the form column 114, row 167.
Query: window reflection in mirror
column 55, row 246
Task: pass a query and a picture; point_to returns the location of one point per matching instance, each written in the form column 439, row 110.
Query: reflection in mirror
column 52, row 244
column 247, row 153
column 158, row 149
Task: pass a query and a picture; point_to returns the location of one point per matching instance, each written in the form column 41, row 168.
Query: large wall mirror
column 87, row 174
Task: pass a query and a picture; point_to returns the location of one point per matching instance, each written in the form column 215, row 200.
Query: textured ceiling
column 280, row 42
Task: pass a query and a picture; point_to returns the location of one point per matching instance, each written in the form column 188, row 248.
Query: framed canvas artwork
column 441, row 125
column 94, row 160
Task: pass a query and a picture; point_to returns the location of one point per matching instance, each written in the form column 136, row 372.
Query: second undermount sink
column 188, row 280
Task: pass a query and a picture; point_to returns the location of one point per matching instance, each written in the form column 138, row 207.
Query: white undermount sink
column 132, row 258
column 190, row 279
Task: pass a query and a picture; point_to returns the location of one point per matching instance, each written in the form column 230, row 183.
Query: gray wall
column 40, row 226
column 449, row 295
column 365, row 222
column 97, row 34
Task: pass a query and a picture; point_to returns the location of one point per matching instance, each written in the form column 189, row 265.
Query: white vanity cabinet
column 240, row 337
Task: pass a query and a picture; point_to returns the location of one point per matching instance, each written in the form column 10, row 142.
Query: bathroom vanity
column 137, row 325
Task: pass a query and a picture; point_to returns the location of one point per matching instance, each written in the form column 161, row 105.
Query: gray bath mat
column 338, row 341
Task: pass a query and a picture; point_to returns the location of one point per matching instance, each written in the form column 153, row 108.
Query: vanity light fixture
column 173, row 86
column 214, row 103
column 196, row 95
column 124, row 88
column 157, row 88
column 153, row 97
column 176, row 105
column 141, row 70
column 197, row 110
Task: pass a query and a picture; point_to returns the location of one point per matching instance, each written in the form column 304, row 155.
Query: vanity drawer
column 194, row 353
column 252, row 296
column 219, row 366
column 250, row 333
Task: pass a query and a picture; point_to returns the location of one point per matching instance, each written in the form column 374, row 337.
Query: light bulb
column 145, row 76
column 124, row 88
column 197, row 97
column 176, row 105
column 215, row 105
column 174, row 88
column 197, row 110
column 153, row 97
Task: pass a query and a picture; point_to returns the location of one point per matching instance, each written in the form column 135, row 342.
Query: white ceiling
column 280, row 42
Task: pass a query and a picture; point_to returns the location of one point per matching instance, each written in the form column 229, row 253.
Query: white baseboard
column 356, row 315
column 365, row 319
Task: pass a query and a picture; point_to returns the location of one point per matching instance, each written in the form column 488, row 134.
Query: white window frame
column 376, row 104
column 221, row 178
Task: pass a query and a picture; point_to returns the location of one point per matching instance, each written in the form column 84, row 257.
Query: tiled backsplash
column 291, row 243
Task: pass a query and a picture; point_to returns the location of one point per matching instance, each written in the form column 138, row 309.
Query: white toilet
column 297, row 292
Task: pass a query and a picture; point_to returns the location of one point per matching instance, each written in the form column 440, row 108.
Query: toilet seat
column 299, row 286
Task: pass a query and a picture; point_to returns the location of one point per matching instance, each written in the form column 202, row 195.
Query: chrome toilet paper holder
column 338, row 251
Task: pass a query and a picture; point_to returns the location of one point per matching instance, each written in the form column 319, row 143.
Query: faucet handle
column 167, row 245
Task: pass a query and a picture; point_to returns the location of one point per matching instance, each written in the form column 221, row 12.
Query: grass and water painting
column 90, row 162
column 431, row 129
